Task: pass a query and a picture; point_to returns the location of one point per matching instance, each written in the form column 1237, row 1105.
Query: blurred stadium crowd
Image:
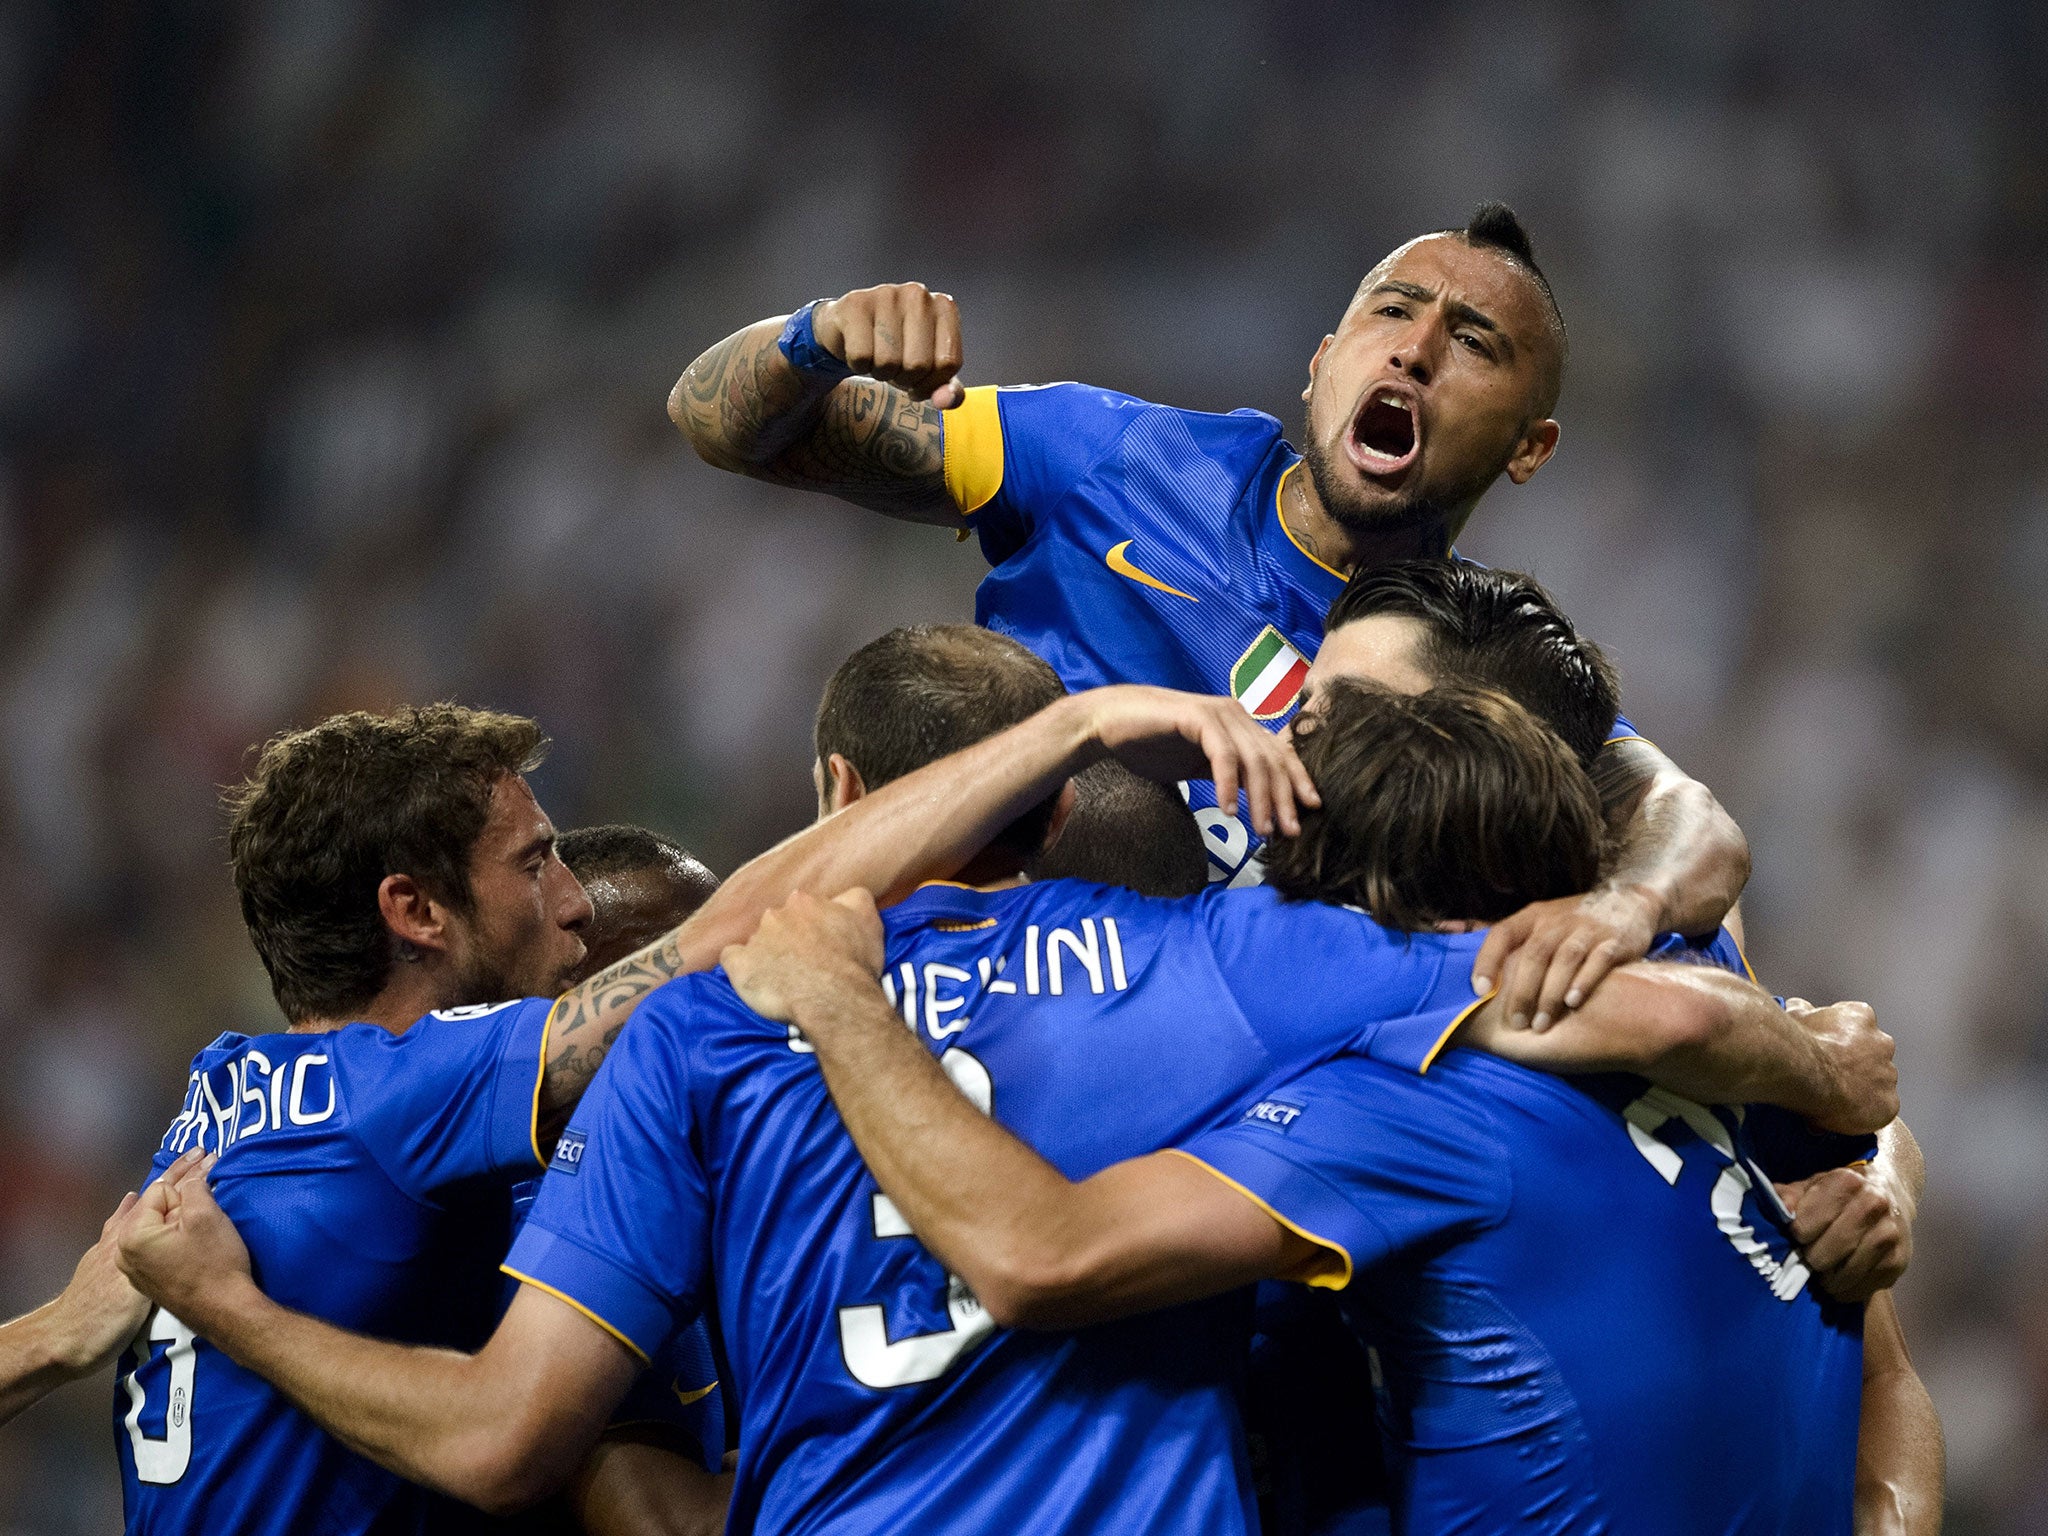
column 334, row 336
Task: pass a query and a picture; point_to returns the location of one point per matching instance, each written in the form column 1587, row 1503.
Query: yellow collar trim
column 1279, row 491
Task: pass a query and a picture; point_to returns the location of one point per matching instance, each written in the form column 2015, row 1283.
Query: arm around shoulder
column 1716, row 1038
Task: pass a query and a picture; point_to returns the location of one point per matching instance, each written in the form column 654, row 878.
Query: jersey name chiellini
column 878, row 1393
column 368, row 1173
column 1137, row 543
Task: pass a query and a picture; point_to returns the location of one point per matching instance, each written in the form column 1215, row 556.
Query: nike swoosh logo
column 1119, row 562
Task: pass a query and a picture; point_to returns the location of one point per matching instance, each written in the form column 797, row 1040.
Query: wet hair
column 1130, row 831
column 925, row 691
column 1495, row 629
column 1451, row 805
column 330, row 811
column 625, row 917
column 617, row 849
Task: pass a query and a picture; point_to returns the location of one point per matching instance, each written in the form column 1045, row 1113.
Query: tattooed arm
column 875, row 439
column 926, row 825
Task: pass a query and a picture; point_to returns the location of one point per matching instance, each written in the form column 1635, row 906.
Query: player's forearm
column 39, row 1352
column 975, row 1195
column 424, row 1413
column 1037, row 1249
column 742, row 405
column 1900, row 1455
column 1717, row 1039
column 1674, row 843
column 1899, row 1152
column 923, row 826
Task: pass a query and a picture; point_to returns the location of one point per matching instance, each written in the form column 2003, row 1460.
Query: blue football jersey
column 679, row 1393
column 878, row 1394
column 1584, row 1314
column 1310, row 1409
column 367, row 1173
column 1136, row 543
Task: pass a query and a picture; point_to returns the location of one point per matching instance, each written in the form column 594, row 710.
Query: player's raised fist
column 900, row 333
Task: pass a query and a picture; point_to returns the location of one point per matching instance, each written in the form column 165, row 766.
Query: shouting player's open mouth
column 1386, row 434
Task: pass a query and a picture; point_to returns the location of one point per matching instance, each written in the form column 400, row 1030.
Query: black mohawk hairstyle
column 1497, row 224
column 1497, row 227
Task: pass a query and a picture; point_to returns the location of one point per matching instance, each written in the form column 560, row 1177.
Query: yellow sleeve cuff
column 973, row 436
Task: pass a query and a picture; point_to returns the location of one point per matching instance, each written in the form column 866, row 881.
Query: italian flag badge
column 1268, row 677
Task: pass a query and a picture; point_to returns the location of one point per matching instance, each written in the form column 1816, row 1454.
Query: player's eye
column 1474, row 343
column 1394, row 311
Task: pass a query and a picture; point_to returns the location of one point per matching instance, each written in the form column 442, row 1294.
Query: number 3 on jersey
column 162, row 1459
column 864, row 1340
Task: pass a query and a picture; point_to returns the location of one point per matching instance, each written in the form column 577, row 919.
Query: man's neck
column 992, row 870
column 411, row 994
column 1347, row 549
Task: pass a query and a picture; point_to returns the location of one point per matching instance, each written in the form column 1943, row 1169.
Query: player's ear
column 1313, row 364
column 1062, row 809
column 842, row 784
column 1538, row 443
column 412, row 917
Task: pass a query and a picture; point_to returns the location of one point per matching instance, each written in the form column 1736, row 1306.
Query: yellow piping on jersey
column 540, row 1076
column 562, row 1296
column 971, row 438
column 1323, row 1277
column 1451, row 1029
column 1278, row 491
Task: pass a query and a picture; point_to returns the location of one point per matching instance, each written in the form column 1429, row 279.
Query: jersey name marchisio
column 1136, row 543
column 878, row 1395
column 369, row 1175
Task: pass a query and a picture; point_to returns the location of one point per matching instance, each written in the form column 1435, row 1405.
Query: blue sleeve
column 1013, row 454
column 1624, row 731
column 621, row 1227
column 1313, row 979
column 450, row 1099
column 680, row 1395
column 1365, row 1159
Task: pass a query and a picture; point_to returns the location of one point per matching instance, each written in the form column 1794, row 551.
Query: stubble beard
column 1352, row 511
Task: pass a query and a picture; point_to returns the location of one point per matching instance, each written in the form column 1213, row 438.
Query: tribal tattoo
column 869, row 443
column 585, row 1023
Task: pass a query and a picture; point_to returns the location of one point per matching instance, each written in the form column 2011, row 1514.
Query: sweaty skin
column 510, row 1424
column 1459, row 333
column 1043, row 1251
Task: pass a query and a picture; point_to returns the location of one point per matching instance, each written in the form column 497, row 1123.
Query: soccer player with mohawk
column 1134, row 542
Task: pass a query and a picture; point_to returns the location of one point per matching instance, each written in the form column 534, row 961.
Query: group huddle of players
column 1378, row 1131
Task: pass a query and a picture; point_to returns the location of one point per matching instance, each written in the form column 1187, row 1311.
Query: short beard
column 1351, row 511
column 485, row 979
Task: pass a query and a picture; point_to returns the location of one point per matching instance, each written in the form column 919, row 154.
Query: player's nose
column 576, row 911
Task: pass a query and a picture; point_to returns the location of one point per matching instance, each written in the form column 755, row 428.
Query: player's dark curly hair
column 331, row 810
column 1450, row 805
column 925, row 691
column 1495, row 629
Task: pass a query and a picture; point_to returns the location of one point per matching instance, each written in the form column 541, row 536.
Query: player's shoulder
column 441, row 1032
column 1262, row 910
column 1075, row 401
